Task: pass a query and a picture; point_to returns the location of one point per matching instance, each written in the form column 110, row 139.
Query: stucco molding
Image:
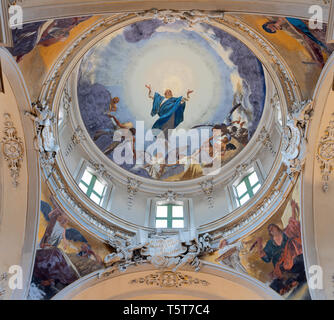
column 325, row 154
column 12, row 149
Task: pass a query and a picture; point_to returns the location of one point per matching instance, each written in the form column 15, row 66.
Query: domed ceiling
column 152, row 75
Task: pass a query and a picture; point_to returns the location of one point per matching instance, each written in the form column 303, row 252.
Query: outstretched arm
column 148, row 86
column 189, row 92
column 188, row 95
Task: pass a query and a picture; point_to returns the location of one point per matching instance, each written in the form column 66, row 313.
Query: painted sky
column 173, row 56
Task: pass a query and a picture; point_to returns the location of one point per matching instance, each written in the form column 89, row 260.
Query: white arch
column 223, row 283
column 317, row 206
column 20, row 205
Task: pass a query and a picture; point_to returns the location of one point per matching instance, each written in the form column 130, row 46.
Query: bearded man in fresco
column 284, row 251
column 169, row 109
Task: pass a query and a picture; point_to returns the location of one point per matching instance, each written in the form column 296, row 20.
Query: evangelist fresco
column 65, row 252
column 170, row 76
column 43, row 33
column 303, row 47
column 273, row 254
column 37, row 46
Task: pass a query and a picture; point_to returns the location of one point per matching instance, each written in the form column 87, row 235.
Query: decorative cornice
column 169, row 279
column 12, row 149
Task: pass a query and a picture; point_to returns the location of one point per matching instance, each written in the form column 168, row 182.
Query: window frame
column 109, row 187
column 254, row 166
column 188, row 215
column 169, row 217
column 90, row 187
column 249, row 188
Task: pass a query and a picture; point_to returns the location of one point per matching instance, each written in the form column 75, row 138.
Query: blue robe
column 171, row 108
column 273, row 251
column 301, row 25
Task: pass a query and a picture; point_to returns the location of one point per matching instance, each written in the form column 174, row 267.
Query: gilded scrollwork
column 169, row 279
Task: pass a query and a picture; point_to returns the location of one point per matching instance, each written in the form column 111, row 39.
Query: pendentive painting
column 274, row 253
column 302, row 45
column 64, row 251
column 41, row 33
column 153, row 79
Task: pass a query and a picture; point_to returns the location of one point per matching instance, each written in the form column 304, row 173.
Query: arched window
column 247, row 187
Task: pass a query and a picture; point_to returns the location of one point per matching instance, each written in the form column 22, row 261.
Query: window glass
column 87, row 177
column 161, row 224
column 95, row 198
column 178, row 224
column 256, row 188
column 244, row 199
column 92, row 187
column 98, row 187
column 241, row 188
column 247, row 188
column 253, row 179
column 169, row 216
column 162, row 211
column 83, row 187
column 177, row 211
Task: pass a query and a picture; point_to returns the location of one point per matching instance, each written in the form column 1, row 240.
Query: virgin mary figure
column 169, row 109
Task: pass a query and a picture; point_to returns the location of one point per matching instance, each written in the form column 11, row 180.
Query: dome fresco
column 151, row 79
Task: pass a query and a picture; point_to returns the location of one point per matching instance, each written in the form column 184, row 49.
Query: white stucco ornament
column 325, row 154
column 12, row 149
column 164, row 252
